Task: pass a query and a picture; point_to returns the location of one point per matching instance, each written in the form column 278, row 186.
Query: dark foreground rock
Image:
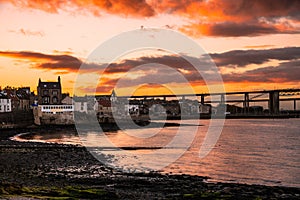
column 35, row 170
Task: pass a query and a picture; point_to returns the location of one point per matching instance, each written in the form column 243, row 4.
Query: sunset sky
column 255, row 44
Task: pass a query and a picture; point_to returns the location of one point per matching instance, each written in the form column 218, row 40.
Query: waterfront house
column 50, row 109
column 49, row 93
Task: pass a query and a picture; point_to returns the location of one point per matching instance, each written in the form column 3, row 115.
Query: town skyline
column 255, row 45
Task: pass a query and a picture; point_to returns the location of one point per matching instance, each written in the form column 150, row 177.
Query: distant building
column 86, row 104
column 113, row 96
column 19, row 97
column 104, row 108
column 81, row 104
column 49, row 93
column 5, row 103
column 23, row 95
column 67, row 100
column 205, row 109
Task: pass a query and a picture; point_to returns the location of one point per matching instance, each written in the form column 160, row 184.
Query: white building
column 56, row 109
column 5, row 103
column 80, row 104
column 132, row 110
column 86, row 104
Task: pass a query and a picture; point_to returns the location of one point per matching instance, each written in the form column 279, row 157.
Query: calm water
column 254, row 151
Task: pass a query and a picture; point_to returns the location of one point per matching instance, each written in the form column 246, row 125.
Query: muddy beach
column 40, row 170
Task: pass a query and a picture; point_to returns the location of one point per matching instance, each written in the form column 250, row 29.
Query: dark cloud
column 285, row 72
column 241, row 58
column 233, row 29
column 244, row 9
column 174, row 61
column 258, row 8
column 46, row 61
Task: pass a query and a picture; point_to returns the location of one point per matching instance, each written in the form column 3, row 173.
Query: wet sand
column 39, row 170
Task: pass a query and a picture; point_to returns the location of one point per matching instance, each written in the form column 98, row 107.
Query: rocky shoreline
column 40, row 170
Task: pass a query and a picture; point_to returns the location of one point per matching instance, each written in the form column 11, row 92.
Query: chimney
column 59, row 79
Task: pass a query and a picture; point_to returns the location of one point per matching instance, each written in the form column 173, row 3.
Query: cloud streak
column 46, row 61
column 27, row 32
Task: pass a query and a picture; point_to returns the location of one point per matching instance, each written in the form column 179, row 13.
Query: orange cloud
column 205, row 17
column 135, row 8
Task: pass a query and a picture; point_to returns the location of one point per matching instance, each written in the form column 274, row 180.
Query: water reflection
column 263, row 151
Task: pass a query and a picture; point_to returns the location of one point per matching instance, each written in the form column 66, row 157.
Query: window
column 46, row 100
column 0, row 107
column 45, row 92
column 55, row 100
column 54, row 92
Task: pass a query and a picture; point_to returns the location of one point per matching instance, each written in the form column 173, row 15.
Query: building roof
column 80, row 99
column 3, row 96
column 23, row 93
column 104, row 102
column 113, row 93
column 50, row 85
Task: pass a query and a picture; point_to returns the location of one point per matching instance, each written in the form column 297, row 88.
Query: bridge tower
column 274, row 102
column 246, row 102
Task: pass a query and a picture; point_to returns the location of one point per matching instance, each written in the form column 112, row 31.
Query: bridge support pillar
column 246, row 103
column 222, row 102
column 202, row 99
column 222, row 106
column 295, row 104
column 274, row 102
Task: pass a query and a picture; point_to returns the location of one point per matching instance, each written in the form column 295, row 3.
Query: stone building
column 49, row 93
